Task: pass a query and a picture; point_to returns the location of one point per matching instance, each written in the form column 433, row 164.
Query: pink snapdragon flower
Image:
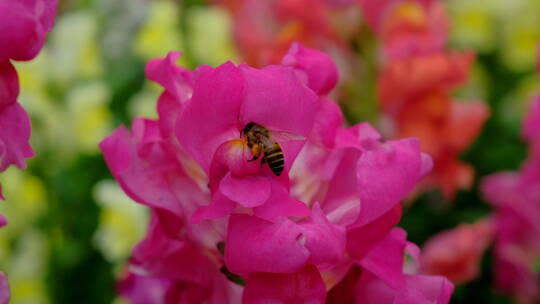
column 415, row 83
column 515, row 196
column 228, row 230
column 457, row 253
column 23, row 27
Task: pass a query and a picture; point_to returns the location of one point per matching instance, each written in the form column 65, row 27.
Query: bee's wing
column 286, row 136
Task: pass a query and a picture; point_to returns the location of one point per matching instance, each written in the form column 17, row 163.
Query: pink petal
column 168, row 109
column 232, row 157
column 257, row 245
column 3, row 220
column 425, row 289
column 212, row 114
column 532, row 123
column 140, row 289
column 325, row 241
column 5, row 294
column 305, row 286
column 149, row 172
column 317, row 67
column 188, row 273
column 178, row 259
column 9, row 84
column 386, row 174
column 360, row 240
column 176, row 80
column 14, row 136
column 274, row 98
column 221, row 206
column 385, row 260
column 342, row 203
column 418, row 289
column 23, row 26
column 249, row 191
column 280, row 203
column 327, row 123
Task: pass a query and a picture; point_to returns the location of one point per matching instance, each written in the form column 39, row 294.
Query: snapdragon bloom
column 457, row 253
column 264, row 30
column 23, row 27
column 515, row 197
column 225, row 229
column 416, row 81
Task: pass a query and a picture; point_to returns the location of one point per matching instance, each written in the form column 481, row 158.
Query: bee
column 262, row 143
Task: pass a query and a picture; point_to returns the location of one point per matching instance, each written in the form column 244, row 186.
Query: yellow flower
column 74, row 48
column 25, row 200
column 210, row 35
column 26, row 269
column 89, row 115
column 473, row 24
column 122, row 222
column 160, row 34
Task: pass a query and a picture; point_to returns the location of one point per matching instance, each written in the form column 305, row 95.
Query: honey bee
column 263, row 142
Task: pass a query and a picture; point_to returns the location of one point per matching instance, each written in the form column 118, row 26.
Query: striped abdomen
column 274, row 158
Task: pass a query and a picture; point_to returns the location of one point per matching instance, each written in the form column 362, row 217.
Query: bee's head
column 247, row 128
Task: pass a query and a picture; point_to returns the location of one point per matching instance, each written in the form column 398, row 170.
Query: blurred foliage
column 71, row 228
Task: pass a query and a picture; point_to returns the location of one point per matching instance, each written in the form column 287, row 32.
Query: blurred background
column 71, row 228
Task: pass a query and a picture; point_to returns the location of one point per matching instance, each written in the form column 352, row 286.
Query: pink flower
column 381, row 279
column 5, row 294
column 23, row 27
column 515, row 196
column 224, row 228
column 457, row 253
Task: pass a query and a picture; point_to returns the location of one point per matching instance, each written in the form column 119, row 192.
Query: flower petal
column 5, row 294
column 385, row 260
column 325, row 241
column 249, row 191
column 305, row 286
column 23, row 26
column 360, row 240
column 318, row 68
column 257, row 245
column 14, row 136
column 176, row 80
column 149, row 172
column 210, row 118
column 280, row 203
column 386, row 174
column 9, row 84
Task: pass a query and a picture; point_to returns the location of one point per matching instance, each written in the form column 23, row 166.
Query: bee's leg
column 263, row 160
column 256, row 151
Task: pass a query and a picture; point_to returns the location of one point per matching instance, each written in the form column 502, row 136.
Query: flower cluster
column 264, row 29
column 23, row 27
column 415, row 84
column 515, row 196
column 225, row 229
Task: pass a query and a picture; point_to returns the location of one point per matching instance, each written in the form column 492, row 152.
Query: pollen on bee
column 238, row 143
